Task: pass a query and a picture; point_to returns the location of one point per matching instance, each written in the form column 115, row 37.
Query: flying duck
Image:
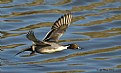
column 49, row 43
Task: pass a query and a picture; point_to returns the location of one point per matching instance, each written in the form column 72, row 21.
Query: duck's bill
column 80, row 48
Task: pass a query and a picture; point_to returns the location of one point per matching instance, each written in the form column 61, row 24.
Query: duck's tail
column 23, row 50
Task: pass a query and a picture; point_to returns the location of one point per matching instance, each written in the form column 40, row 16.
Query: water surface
column 96, row 26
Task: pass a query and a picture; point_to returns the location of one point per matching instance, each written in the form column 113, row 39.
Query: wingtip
column 63, row 20
column 30, row 32
column 69, row 13
column 30, row 35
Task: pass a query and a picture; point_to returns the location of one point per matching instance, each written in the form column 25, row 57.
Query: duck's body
column 50, row 49
column 49, row 43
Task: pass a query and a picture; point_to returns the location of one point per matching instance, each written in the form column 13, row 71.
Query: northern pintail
column 49, row 43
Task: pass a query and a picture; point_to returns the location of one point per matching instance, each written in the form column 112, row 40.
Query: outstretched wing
column 58, row 28
column 30, row 35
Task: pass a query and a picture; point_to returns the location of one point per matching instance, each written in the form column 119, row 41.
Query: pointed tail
column 23, row 50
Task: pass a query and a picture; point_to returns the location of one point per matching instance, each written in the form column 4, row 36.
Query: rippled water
column 96, row 27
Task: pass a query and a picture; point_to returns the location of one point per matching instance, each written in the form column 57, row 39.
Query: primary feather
column 58, row 28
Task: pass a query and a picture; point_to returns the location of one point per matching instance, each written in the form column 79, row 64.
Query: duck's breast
column 50, row 49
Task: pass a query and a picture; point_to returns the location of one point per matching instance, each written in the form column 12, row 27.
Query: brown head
column 73, row 46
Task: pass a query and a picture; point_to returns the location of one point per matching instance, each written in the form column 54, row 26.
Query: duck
column 49, row 43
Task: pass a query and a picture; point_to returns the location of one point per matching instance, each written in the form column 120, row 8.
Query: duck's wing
column 58, row 28
column 30, row 35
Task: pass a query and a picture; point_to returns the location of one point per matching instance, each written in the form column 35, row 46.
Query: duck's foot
column 28, row 55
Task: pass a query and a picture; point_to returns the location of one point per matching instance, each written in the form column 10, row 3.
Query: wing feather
column 30, row 35
column 58, row 28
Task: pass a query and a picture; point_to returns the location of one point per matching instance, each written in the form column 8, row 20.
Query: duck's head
column 73, row 46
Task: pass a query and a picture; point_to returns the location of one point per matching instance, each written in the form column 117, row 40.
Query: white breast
column 61, row 48
column 46, row 50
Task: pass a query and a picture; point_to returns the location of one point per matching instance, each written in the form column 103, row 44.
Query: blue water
column 96, row 26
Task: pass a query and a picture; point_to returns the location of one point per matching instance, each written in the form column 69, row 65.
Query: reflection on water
column 96, row 26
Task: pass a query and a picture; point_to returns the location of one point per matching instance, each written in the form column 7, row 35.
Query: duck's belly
column 50, row 50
